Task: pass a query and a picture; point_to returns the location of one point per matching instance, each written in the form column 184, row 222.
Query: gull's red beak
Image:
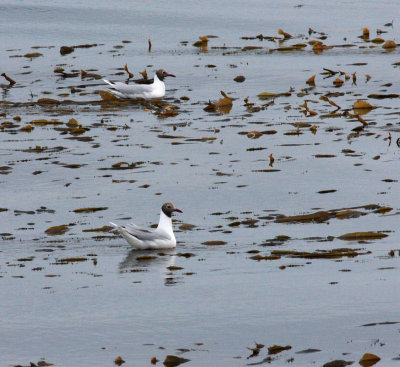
column 178, row 210
column 171, row 75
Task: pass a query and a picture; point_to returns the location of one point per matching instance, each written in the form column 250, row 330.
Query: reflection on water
column 147, row 260
column 5, row 89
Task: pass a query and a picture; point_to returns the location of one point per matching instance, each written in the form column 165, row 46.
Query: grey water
column 213, row 304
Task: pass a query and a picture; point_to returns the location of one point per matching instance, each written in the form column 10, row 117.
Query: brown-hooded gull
column 141, row 88
column 161, row 238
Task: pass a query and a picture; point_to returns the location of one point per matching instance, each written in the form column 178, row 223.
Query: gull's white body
column 132, row 91
column 161, row 238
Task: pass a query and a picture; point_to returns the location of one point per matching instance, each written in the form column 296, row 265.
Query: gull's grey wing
column 132, row 89
column 133, row 227
column 144, row 234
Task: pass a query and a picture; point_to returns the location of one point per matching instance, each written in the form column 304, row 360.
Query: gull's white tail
column 113, row 90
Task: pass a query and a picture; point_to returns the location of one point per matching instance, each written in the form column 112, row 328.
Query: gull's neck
column 158, row 91
column 165, row 224
column 156, row 80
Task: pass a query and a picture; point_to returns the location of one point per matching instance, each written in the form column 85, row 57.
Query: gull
column 161, row 238
column 142, row 88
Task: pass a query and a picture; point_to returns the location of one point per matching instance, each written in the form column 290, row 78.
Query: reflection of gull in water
column 161, row 238
column 137, row 261
column 6, row 89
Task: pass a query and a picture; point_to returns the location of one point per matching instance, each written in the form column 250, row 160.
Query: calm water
column 211, row 306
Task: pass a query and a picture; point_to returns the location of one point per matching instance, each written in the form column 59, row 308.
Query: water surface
column 213, row 304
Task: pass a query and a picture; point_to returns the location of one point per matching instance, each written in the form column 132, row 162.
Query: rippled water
column 208, row 307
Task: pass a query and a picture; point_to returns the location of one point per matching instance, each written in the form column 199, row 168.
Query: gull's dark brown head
column 161, row 74
column 168, row 209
